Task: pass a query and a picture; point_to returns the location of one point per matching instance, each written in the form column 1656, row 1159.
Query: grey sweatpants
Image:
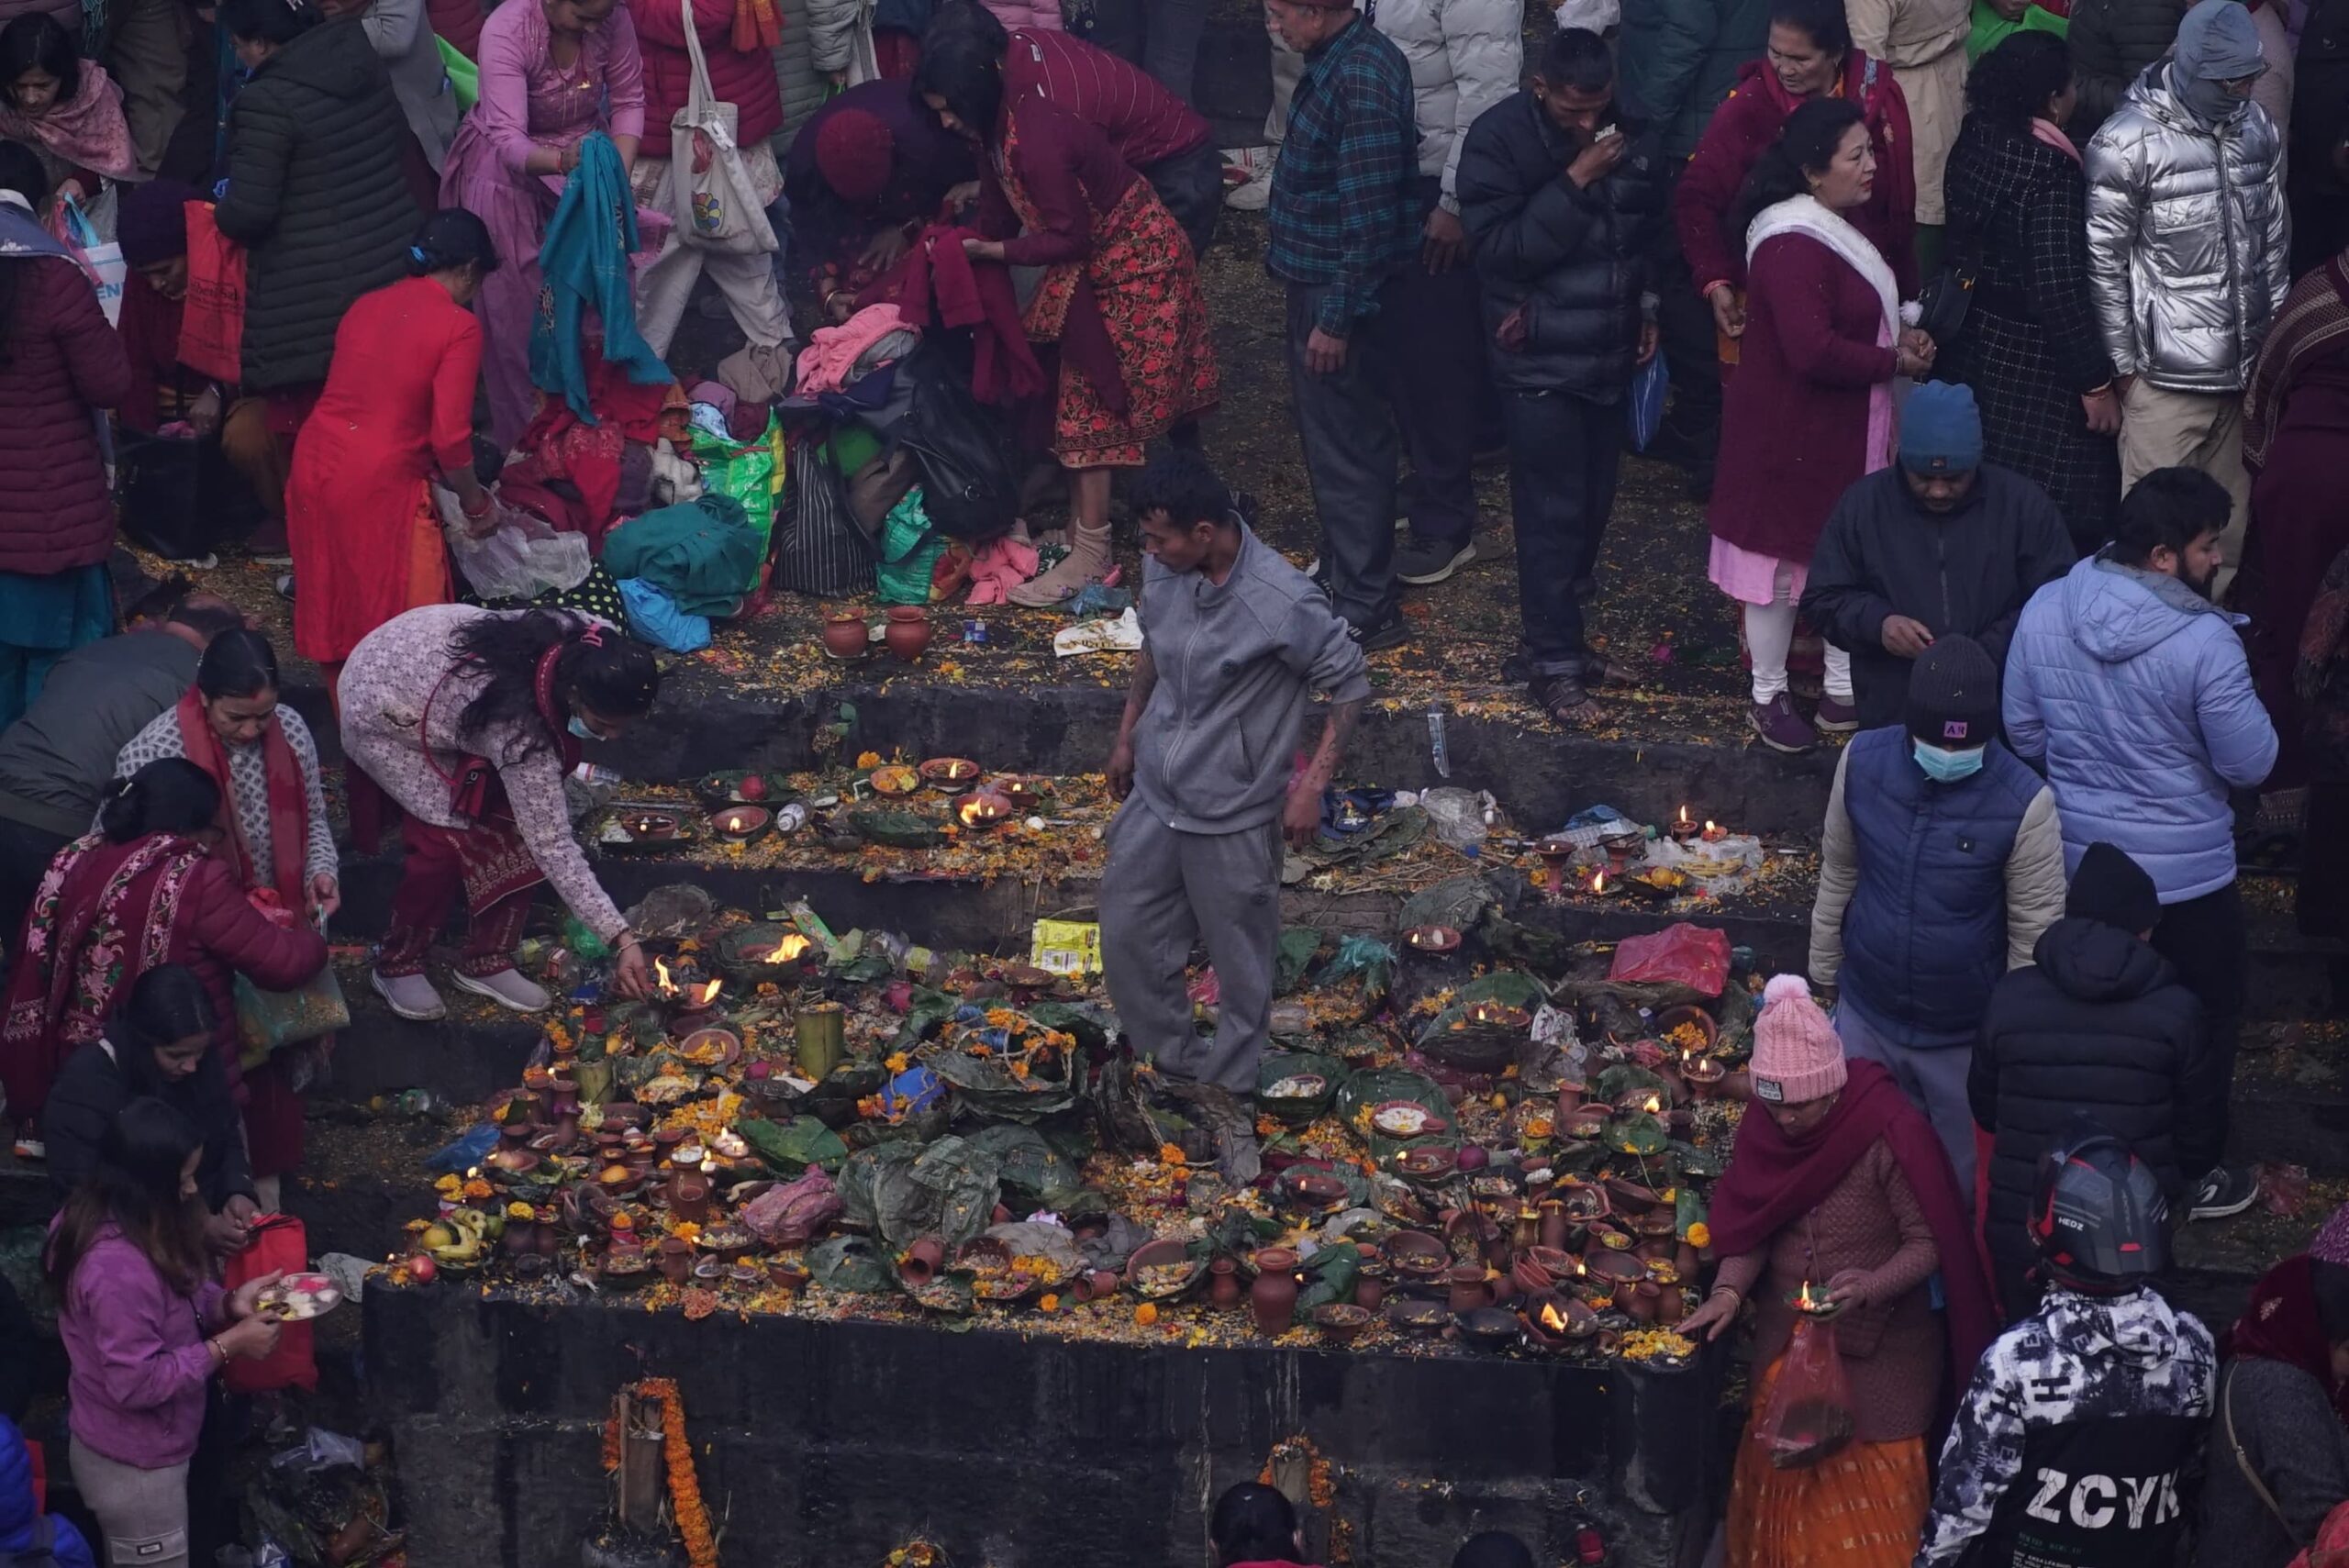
column 1934, row 1081
column 1161, row 890
column 143, row 1514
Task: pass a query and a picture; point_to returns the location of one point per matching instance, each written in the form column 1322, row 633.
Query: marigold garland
column 685, row 1493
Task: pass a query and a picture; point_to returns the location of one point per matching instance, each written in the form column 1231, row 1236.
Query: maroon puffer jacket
column 220, row 935
column 745, row 79
column 62, row 362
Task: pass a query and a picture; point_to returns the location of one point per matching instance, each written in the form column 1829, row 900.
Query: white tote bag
column 717, row 207
column 101, row 259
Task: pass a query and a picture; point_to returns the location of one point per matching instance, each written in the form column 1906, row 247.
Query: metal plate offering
column 300, row 1297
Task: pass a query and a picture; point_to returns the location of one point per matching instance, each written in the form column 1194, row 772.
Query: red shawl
column 104, row 914
column 289, row 802
column 2313, row 316
column 1772, row 1180
column 2281, row 1325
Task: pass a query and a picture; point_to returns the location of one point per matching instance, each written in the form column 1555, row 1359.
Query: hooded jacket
column 2190, row 248
column 91, row 1087
column 2095, row 1025
column 1680, row 58
column 2133, row 694
column 21, row 1524
column 2071, row 1444
column 1574, row 260
column 1466, row 57
column 1928, row 892
column 63, row 363
column 1966, row 572
column 2112, row 41
column 317, row 197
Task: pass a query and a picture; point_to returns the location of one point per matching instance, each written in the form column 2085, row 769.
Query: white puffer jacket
column 2189, row 244
column 1466, row 56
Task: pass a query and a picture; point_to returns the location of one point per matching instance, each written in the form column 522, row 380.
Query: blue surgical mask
column 1946, row 767
column 579, row 726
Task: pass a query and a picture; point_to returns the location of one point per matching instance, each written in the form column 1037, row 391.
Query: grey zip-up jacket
column 1236, row 662
column 2189, row 247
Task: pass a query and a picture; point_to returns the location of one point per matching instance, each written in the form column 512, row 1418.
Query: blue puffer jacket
column 1925, row 934
column 2132, row 691
column 19, row 1522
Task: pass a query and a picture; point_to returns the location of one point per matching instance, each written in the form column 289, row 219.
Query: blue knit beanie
column 1941, row 430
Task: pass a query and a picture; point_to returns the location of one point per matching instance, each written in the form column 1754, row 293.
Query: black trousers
column 1564, row 453
column 2205, row 939
column 1684, row 326
column 1440, row 386
column 1191, row 186
column 24, row 854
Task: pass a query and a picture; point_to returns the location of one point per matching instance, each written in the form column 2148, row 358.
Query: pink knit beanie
column 1797, row 1056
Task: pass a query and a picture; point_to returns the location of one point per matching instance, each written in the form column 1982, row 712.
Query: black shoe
column 1424, row 563
column 1386, row 631
column 2222, row 1193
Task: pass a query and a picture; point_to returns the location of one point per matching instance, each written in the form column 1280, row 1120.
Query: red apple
column 422, row 1269
column 752, row 787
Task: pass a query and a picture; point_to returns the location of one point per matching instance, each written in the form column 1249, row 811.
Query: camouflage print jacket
column 2076, row 1432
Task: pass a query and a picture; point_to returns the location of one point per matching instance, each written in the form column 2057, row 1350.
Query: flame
column 1653, row 1104
column 977, row 810
column 1684, row 815
column 1804, row 1303
column 1551, row 1319
column 708, row 993
column 792, row 945
column 660, row 977
column 1709, row 827
column 1598, row 881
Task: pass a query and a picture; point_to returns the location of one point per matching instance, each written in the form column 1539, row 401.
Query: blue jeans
column 1564, row 452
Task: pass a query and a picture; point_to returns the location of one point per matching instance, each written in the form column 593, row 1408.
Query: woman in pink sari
column 64, row 107
column 552, row 70
column 1810, row 409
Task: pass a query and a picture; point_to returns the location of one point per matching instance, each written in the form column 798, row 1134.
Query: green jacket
column 1991, row 29
column 1680, row 58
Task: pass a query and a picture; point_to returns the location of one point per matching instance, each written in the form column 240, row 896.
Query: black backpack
column 970, row 477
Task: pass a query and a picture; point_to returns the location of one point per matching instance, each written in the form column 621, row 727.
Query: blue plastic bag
column 653, row 617
column 1643, row 410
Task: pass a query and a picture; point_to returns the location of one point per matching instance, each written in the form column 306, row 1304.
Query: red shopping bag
column 212, row 326
column 278, row 1243
column 1810, row 1415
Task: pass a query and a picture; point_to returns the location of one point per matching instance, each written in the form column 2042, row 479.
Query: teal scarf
column 585, row 261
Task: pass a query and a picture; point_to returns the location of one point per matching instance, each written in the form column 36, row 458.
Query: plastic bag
column 270, row 1021
column 280, row 1245
column 212, row 320
column 790, row 1214
column 1643, row 410
column 1695, row 956
column 909, row 550
column 1726, row 865
column 1458, row 815
column 749, row 471
column 523, row 558
column 1808, row 1416
column 655, row 618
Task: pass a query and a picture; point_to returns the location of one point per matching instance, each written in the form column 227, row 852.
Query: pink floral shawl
column 88, row 132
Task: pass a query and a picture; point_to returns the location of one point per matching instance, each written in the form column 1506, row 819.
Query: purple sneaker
column 1781, row 727
column 1837, row 717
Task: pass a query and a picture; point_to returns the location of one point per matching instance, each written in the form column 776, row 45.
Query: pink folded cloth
column 1001, row 565
column 832, row 351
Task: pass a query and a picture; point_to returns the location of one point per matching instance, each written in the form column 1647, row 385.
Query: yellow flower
column 1146, row 1313
column 894, row 1061
column 1049, row 1304
column 1171, row 1155
column 1700, row 1235
column 868, row 758
column 517, row 1209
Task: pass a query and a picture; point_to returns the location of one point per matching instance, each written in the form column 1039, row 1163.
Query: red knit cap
column 855, row 152
column 1796, row 1055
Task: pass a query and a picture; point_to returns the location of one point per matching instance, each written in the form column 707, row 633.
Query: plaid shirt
column 1343, row 207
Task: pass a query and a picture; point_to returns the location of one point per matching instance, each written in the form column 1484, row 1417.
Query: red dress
column 1795, row 416
column 398, row 399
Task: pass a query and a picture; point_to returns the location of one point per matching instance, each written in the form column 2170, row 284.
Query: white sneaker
column 410, row 996
column 507, row 988
column 1248, row 177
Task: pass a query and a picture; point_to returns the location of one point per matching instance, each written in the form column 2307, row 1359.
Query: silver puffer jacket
column 2188, row 246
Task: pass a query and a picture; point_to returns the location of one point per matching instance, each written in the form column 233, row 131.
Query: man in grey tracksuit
column 1234, row 641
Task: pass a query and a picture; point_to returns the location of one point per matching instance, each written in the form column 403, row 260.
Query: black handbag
column 970, row 480
column 180, row 497
column 819, row 551
column 1948, row 295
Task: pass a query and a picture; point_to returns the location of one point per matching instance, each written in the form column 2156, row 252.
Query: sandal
column 1565, row 700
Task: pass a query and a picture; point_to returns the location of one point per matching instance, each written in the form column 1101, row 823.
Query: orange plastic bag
column 211, row 323
column 1810, row 1415
column 278, row 1243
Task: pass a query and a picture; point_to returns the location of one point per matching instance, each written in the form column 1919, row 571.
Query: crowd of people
column 2004, row 344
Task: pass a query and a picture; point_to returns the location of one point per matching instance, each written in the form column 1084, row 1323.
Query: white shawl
column 1804, row 215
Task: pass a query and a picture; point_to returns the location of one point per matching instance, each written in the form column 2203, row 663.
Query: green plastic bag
column 909, row 550
column 465, row 76
column 752, row 474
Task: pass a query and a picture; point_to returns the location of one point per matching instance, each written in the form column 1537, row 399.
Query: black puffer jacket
column 2112, row 41
column 315, row 196
column 2098, row 1026
column 1576, row 259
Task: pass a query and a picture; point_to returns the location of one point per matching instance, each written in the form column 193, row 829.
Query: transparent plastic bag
column 1809, row 1415
column 522, row 558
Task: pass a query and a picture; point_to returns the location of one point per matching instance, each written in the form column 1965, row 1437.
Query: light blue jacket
column 2131, row 691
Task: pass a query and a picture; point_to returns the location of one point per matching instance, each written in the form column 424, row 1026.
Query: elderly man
column 1940, row 543
column 1234, row 641
column 2185, row 285
column 1344, row 222
column 2131, row 689
column 1941, row 865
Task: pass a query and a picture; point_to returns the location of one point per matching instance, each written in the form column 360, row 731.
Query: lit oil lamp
column 1714, row 833
column 1431, row 938
column 650, row 825
column 1704, row 1074
column 983, row 809
column 1684, row 828
column 741, row 823
column 952, row 775
column 1599, row 886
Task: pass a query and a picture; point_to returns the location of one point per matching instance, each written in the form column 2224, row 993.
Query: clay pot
column 1570, row 1093
column 1101, row 1284
column 1644, row 1297
column 1685, row 1260
column 689, row 1195
column 1557, row 1230
column 845, row 636
column 907, row 633
column 1370, row 1291
column 1272, row 1298
column 677, row 1259
column 1627, row 1292
column 785, row 1274
column 1470, row 1289
column 1531, row 1278
column 1224, row 1289
column 1671, row 1306
column 922, row 1261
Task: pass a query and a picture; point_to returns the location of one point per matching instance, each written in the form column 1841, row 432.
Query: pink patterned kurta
column 526, row 104
column 394, row 673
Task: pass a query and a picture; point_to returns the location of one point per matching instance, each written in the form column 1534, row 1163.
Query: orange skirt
column 1862, row 1508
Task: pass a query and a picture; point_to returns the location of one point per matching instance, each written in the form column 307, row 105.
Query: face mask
column 1948, row 767
column 579, row 726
